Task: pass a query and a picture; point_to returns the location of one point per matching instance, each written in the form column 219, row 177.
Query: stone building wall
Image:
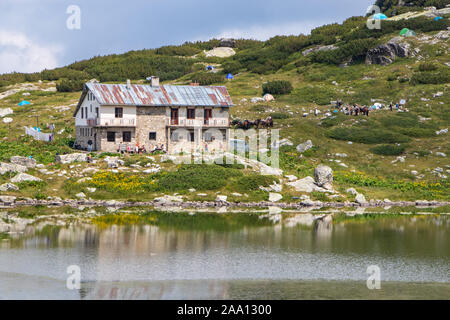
column 151, row 119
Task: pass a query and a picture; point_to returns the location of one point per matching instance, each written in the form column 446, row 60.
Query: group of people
column 137, row 149
column 356, row 109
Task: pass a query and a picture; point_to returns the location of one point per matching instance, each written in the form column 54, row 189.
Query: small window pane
column 111, row 136
column 119, row 112
column 152, row 136
column 126, row 136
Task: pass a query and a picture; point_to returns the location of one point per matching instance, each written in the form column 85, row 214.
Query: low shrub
column 388, row 150
column 253, row 182
column 427, row 66
column 439, row 77
column 366, row 135
column 277, row 87
column 66, row 85
column 206, row 79
column 279, row 116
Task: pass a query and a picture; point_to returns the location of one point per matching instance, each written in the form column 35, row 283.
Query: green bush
column 366, row 135
column 232, row 67
column 279, row 116
column 206, row 79
column 253, row 182
column 184, row 50
column 427, row 66
column 200, row 177
column 66, row 85
column 277, row 87
column 439, row 77
column 388, row 150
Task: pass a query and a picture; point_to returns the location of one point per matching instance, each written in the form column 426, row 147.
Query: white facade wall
column 91, row 106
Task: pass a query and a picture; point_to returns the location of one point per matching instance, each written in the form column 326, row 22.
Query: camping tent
column 23, row 103
column 438, row 18
column 410, row 33
column 210, row 68
column 404, row 31
column 379, row 16
column 230, row 76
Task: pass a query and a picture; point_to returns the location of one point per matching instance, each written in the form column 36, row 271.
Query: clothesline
column 38, row 135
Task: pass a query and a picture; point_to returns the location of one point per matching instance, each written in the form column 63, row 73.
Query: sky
column 35, row 35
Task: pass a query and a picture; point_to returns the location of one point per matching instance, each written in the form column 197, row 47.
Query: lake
column 231, row 256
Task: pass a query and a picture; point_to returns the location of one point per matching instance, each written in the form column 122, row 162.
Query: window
column 152, row 136
column 126, row 136
column 191, row 113
column 192, row 136
column 111, row 136
column 97, row 112
column 86, row 112
column 82, row 113
column 119, row 112
column 208, row 137
column 91, row 108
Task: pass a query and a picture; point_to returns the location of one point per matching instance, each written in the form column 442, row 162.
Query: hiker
column 316, row 112
column 397, row 106
column 136, row 149
column 390, row 106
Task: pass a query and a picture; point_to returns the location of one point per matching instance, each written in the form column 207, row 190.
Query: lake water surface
column 293, row 258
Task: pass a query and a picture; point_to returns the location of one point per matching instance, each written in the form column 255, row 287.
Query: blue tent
column 23, row 103
column 438, row 18
column 230, row 76
column 210, row 68
column 379, row 16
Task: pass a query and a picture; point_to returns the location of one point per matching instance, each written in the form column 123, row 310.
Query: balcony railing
column 181, row 122
column 111, row 122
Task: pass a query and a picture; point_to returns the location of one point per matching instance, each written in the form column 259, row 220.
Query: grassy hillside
column 372, row 144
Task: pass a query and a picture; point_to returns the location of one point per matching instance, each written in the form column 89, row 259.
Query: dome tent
column 404, row 31
column 230, row 76
column 379, row 16
column 23, row 103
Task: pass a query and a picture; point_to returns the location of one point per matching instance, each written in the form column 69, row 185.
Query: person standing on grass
column 316, row 112
column 390, row 106
column 397, row 106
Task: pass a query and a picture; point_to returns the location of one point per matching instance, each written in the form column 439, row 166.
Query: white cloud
column 21, row 54
column 264, row 32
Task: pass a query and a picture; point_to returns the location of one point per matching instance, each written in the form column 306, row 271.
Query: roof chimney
column 154, row 81
column 128, row 84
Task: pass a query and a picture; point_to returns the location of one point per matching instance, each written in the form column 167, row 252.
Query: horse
column 365, row 111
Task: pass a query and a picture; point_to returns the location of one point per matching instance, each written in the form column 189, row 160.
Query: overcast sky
column 34, row 34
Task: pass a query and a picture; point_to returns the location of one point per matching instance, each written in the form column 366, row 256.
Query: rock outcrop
column 302, row 147
column 23, row 161
column 72, row 157
column 23, row 177
column 386, row 53
column 323, row 176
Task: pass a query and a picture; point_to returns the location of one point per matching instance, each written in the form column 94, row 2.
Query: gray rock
column 302, row 147
column 9, row 187
column 360, row 199
column 7, row 199
column 69, row 158
column 306, row 185
column 323, row 176
column 23, row 161
column 24, row 177
column 6, row 111
column 274, row 197
column 319, row 48
column 80, row 195
column 441, row 154
column 386, row 53
column 221, row 198
column 352, row 191
column 11, row 167
column 169, row 199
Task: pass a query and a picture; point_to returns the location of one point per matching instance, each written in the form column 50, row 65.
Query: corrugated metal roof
column 164, row 95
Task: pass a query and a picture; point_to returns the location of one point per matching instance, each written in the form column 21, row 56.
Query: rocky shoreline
column 10, row 202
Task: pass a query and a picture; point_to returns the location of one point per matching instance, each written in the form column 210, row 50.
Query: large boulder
column 23, row 177
column 323, row 176
column 72, row 157
column 228, row 42
column 9, row 187
column 360, row 199
column 11, row 167
column 5, row 111
column 319, row 48
column 23, row 161
column 302, row 147
column 386, row 53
